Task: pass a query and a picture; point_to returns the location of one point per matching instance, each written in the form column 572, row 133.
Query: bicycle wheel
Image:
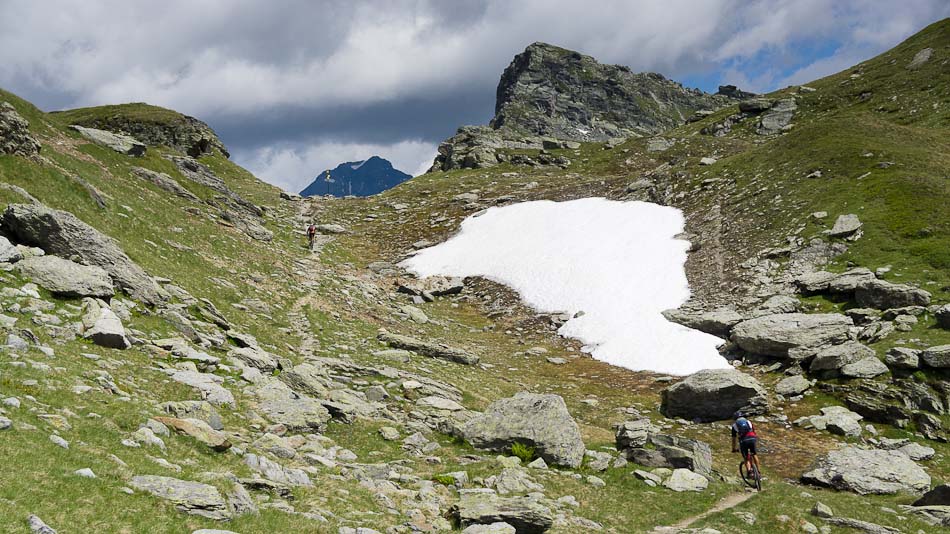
column 747, row 477
column 757, row 477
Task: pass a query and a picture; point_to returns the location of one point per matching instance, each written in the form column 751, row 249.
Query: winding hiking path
column 729, row 501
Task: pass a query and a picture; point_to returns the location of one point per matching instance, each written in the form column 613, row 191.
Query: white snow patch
column 357, row 165
column 619, row 262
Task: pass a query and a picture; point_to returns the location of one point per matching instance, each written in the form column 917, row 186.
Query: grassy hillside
column 300, row 304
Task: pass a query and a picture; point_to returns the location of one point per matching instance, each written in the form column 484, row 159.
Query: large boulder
column 938, row 496
column 187, row 496
column 714, row 395
column 883, row 295
column 123, row 144
column 427, row 348
column 63, row 234
column 866, row 471
column 774, row 335
column 199, row 430
column 686, row 480
column 541, row 421
column 103, row 326
column 937, row 357
column 793, row 385
column 484, row 507
column 675, row 452
column 67, row 278
column 825, row 282
column 15, row 138
column 8, row 251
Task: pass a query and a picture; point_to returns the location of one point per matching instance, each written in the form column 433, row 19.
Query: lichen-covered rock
column 866, row 471
column 793, row 385
column 187, row 496
column 714, row 395
column 300, row 413
column 67, row 278
column 837, row 356
column 540, row 421
column 15, row 138
column 165, row 182
column 774, row 335
column 63, row 234
column 123, row 144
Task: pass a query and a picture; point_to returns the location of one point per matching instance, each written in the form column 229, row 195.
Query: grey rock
column 714, row 395
column 299, row 413
column 123, row 144
column 920, row 58
column 837, row 356
column 774, row 335
column 107, row 330
column 62, row 234
column 686, row 480
column 793, row 385
column 255, row 357
column 515, row 480
column 277, row 473
column 937, row 357
column 15, row 137
column 778, row 117
column 8, row 252
column 208, row 384
column 883, row 295
column 67, row 278
column 164, row 182
column 187, row 496
column 425, row 348
column 194, row 409
column 525, row 514
column 633, row 434
column 902, row 358
column 37, row 526
column 846, row 225
column 541, row 421
column 822, row 510
column 716, row 322
column 183, row 133
column 868, row 472
column 674, row 452
column 863, row 526
column 5, row 423
column 494, row 528
column 825, row 282
column 864, row 368
column 917, row 452
column 755, row 105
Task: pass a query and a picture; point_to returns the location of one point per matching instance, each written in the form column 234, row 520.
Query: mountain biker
column 743, row 435
column 311, row 234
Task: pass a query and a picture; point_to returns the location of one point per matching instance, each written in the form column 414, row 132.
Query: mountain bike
column 752, row 478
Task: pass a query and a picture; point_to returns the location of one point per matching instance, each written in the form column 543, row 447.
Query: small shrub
column 523, row 451
column 445, row 480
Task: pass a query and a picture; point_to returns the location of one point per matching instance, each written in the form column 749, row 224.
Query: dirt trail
column 729, row 501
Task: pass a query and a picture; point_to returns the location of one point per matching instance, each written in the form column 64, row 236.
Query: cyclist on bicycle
column 743, row 435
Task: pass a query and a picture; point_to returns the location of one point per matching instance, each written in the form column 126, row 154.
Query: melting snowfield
column 618, row 262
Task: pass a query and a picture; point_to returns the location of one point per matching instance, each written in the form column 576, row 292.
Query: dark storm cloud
column 295, row 86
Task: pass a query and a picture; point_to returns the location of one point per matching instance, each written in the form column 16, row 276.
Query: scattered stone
column 837, row 356
column 198, row 430
column 902, row 358
column 714, row 395
column 686, row 480
column 865, row 368
column 793, row 386
column 822, row 510
column 187, row 496
column 846, row 225
column 920, row 58
column 106, row 330
column 634, row 434
column 84, row 473
column 663, row 450
column 541, row 421
column 494, row 528
column 864, row 526
column 298, row 413
column 164, row 182
column 59, row 441
column 937, row 357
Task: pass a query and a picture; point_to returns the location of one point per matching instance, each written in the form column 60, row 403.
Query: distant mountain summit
column 359, row 178
column 551, row 93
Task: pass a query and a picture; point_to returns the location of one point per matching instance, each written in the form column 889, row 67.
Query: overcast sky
column 296, row 86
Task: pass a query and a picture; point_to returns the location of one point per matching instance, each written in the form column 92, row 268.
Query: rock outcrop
column 540, row 421
column 484, row 507
column 714, row 395
column 15, row 137
column 62, row 233
column 123, row 144
column 867, row 471
column 187, row 496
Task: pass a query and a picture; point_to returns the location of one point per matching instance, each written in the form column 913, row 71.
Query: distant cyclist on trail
column 311, row 234
column 744, row 440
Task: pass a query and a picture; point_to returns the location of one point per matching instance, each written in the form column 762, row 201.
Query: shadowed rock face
column 551, row 91
column 714, row 395
column 15, row 135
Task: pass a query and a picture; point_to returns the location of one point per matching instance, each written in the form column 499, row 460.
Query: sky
column 294, row 87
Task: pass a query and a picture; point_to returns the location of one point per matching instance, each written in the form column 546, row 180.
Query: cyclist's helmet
column 737, row 415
